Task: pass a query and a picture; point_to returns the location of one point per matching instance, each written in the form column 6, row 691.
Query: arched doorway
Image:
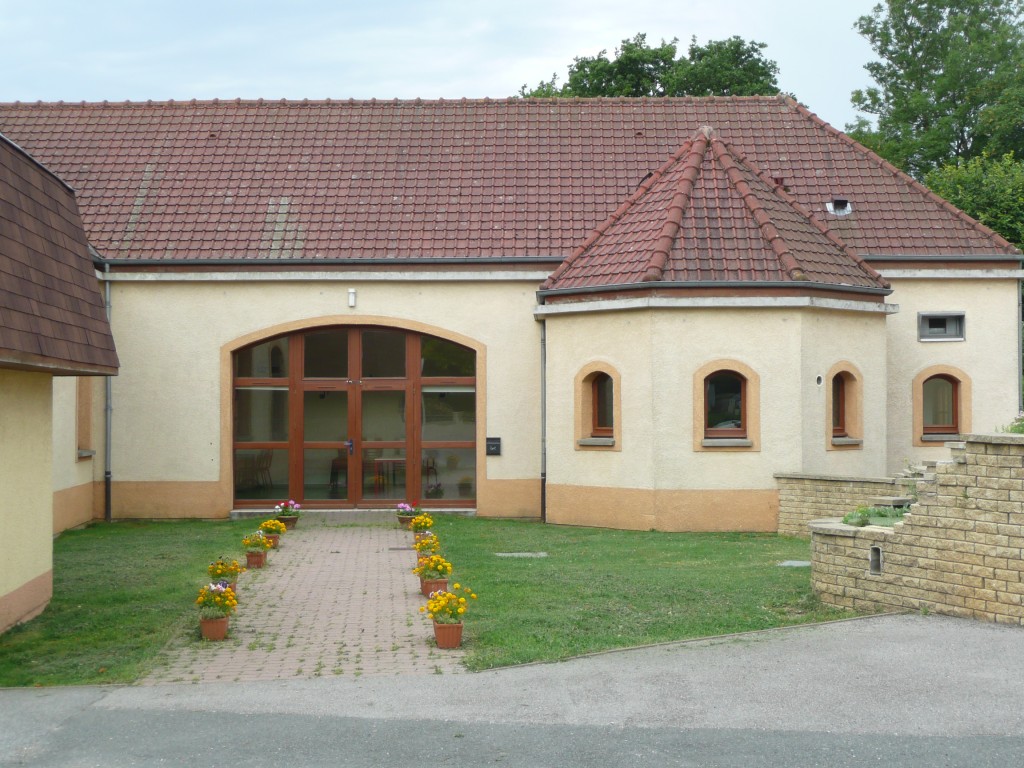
column 355, row 416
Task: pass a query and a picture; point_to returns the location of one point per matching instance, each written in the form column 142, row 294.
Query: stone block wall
column 958, row 552
column 803, row 498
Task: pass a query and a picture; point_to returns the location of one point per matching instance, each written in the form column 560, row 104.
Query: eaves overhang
column 710, row 286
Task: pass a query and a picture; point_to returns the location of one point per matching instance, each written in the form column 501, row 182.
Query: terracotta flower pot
column 448, row 635
column 214, row 629
column 255, row 559
column 432, row 585
column 405, row 521
column 274, row 538
column 288, row 520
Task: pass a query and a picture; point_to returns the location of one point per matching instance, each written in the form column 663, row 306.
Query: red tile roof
column 441, row 179
column 51, row 313
column 710, row 216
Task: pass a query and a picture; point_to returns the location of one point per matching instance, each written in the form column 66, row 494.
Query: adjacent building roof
column 51, row 313
column 461, row 180
column 709, row 216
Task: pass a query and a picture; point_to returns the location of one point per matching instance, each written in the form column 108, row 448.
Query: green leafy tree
column 720, row 68
column 949, row 80
column 991, row 189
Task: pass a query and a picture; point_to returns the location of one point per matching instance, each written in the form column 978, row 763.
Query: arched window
column 940, row 398
column 602, row 398
column 725, row 400
column 839, row 406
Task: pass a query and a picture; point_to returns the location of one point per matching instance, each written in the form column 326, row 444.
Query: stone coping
column 833, row 478
column 834, row 526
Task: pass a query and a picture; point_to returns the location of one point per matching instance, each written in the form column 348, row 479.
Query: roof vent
column 839, row 206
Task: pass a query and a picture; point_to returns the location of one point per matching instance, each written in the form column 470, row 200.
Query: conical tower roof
column 708, row 216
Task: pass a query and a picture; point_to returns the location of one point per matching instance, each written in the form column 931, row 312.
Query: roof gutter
column 747, row 285
column 375, row 261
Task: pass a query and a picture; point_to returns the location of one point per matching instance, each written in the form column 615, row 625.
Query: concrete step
column 891, row 501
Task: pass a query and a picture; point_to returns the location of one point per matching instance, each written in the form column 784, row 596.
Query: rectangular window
column 940, row 326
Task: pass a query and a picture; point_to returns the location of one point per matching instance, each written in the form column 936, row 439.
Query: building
column 623, row 312
column 52, row 330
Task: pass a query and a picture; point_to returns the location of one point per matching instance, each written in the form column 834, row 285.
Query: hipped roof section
column 709, row 216
column 462, row 180
column 52, row 317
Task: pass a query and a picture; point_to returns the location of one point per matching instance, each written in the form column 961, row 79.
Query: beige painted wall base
column 663, row 510
column 509, row 498
column 73, row 507
column 26, row 602
column 168, row 500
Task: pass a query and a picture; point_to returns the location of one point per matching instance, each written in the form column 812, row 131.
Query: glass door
column 355, row 415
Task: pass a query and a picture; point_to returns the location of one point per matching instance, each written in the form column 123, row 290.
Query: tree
column 949, row 80
column 723, row 67
column 991, row 189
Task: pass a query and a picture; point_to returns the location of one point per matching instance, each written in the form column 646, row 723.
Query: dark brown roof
column 51, row 313
column 709, row 216
column 436, row 179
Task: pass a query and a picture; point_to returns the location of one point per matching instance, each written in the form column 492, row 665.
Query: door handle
column 350, row 444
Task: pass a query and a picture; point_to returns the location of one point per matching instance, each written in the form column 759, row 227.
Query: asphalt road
column 888, row 690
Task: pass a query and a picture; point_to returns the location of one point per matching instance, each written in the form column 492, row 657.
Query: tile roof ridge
column 645, row 184
column 917, row 186
column 724, row 155
column 694, row 158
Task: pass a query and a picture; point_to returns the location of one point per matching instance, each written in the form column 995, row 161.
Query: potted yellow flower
column 427, row 544
column 216, row 604
column 272, row 530
column 421, row 524
column 447, row 610
column 227, row 571
column 433, row 571
column 256, row 546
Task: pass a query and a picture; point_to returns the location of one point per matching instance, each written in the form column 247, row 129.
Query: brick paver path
column 337, row 598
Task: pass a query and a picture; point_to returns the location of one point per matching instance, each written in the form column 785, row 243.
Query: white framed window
column 940, row 326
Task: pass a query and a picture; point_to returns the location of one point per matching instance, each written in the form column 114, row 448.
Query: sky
column 155, row 49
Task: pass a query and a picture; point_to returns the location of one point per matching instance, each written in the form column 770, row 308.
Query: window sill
column 726, row 442
column 951, row 437
column 847, row 441
column 85, row 453
column 596, row 442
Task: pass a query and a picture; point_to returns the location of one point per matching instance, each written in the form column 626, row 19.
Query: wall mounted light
column 351, row 297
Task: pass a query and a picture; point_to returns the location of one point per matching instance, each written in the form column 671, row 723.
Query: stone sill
column 726, row 442
column 847, row 441
column 597, row 442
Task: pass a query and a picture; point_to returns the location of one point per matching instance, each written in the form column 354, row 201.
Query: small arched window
column 725, row 400
column 839, row 408
column 602, row 406
column 940, row 397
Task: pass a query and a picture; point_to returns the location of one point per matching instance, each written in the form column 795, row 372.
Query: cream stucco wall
column 26, row 400
column 172, row 428
column 853, row 341
column 989, row 355
column 658, row 351
column 77, row 423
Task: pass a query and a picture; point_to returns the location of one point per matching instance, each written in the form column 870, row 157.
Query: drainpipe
column 1020, row 347
column 543, row 421
column 108, row 409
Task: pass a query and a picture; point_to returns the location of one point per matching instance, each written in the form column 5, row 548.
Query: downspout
column 543, row 420
column 108, row 409
column 1020, row 347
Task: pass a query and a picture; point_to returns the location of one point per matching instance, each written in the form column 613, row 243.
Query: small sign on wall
column 494, row 446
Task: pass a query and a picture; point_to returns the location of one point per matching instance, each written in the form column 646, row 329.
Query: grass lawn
column 123, row 591
column 599, row 589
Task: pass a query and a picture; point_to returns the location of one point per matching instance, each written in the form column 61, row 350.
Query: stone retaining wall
column 803, row 498
column 958, row 552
